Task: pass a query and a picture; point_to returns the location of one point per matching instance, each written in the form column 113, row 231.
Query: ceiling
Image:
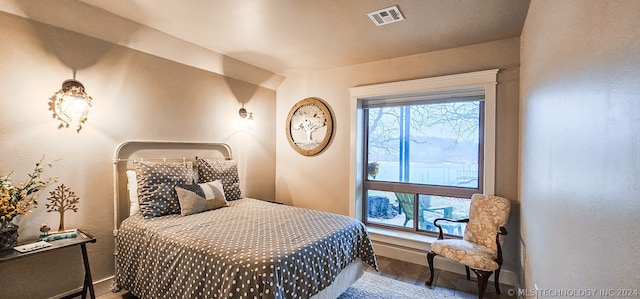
column 284, row 36
column 281, row 36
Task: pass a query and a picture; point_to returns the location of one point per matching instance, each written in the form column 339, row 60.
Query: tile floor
column 445, row 281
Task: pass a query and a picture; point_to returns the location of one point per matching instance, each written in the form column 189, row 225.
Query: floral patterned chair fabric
column 467, row 253
column 480, row 248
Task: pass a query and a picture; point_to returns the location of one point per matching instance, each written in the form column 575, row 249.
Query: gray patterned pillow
column 198, row 198
column 223, row 170
column 156, row 182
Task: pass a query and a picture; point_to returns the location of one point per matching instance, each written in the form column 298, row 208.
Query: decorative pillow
column 132, row 186
column 223, row 170
column 198, row 198
column 156, row 182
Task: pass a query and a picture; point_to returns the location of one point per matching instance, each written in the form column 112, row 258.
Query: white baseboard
column 419, row 256
column 100, row 287
column 104, row 285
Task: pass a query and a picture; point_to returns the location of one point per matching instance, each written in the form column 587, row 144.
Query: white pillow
column 132, row 186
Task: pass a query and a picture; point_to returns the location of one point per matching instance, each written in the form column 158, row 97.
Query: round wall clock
column 309, row 126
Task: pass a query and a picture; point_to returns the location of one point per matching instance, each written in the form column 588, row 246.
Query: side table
column 81, row 240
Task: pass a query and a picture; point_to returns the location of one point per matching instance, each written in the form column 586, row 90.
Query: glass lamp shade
column 71, row 104
column 242, row 112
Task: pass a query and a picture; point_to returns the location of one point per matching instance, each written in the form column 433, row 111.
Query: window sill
column 400, row 238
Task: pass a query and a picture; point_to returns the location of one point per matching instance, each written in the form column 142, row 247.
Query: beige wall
column 580, row 83
column 322, row 182
column 135, row 96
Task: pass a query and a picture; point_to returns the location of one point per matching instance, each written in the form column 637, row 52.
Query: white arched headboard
column 155, row 150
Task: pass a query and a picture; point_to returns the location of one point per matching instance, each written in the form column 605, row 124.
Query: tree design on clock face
column 308, row 119
column 310, row 126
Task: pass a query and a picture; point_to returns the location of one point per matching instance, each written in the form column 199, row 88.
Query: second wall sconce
column 71, row 104
column 248, row 115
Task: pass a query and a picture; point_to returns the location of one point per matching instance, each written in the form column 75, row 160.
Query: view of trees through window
column 423, row 158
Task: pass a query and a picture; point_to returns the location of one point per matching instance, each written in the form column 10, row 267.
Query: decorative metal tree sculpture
column 62, row 199
column 308, row 119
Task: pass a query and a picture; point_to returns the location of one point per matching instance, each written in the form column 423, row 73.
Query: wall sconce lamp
column 248, row 115
column 70, row 104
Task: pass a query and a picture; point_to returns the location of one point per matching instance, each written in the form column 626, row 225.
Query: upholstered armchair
column 480, row 248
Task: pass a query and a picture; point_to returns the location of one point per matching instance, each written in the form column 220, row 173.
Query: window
column 423, row 161
column 422, row 148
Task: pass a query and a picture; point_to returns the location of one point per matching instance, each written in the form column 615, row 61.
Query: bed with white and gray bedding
column 244, row 248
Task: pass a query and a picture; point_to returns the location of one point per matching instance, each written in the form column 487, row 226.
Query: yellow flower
column 18, row 200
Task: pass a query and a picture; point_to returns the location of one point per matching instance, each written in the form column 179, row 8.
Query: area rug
column 373, row 286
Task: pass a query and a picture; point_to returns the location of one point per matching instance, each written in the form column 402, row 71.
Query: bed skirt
column 343, row 281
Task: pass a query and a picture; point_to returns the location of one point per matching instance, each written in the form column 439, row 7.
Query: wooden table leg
column 88, row 282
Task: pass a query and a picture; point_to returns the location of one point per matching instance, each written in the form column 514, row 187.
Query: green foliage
column 19, row 199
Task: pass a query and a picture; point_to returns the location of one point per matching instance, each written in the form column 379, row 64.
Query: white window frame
column 475, row 81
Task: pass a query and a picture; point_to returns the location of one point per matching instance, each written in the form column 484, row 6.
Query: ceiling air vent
column 386, row 16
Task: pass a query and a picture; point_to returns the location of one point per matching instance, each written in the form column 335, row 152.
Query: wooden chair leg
column 466, row 268
column 483, row 278
column 497, row 280
column 430, row 257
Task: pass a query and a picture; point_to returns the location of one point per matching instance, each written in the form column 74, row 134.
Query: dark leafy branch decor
column 62, row 199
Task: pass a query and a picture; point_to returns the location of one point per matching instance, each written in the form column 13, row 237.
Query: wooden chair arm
column 503, row 232
column 440, row 233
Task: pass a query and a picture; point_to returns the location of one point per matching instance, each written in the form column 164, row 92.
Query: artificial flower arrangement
column 19, row 199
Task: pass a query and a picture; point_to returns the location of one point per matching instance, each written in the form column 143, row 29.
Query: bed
column 241, row 248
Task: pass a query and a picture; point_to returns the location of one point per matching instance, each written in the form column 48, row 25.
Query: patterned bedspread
column 251, row 249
